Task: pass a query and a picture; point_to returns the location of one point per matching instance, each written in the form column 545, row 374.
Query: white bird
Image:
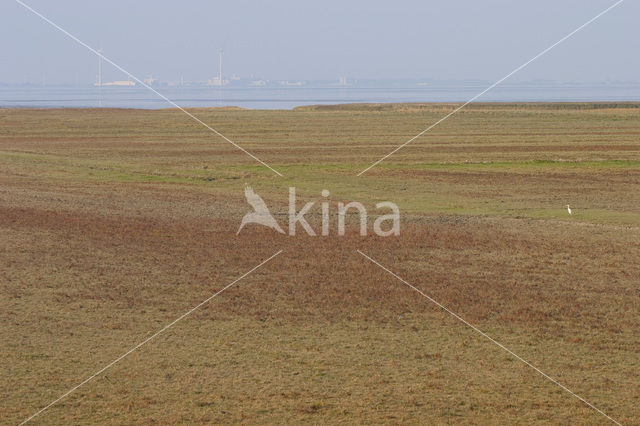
column 569, row 209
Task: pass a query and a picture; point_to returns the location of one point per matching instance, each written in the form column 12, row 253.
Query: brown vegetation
column 115, row 222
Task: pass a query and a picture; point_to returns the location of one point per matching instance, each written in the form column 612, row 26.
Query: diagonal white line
column 492, row 86
column 77, row 40
column 483, row 334
column 166, row 327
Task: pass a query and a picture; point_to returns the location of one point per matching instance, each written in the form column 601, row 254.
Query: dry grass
column 115, row 222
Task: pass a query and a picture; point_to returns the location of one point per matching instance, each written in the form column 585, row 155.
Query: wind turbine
column 220, row 74
column 100, row 78
column 220, row 66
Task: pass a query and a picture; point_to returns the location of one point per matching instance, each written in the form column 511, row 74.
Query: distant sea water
column 290, row 97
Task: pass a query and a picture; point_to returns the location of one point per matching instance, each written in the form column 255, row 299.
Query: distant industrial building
column 218, row 81
column 117, row 83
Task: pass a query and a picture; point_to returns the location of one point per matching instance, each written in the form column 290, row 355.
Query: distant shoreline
column 267, row 98
column 367, row 106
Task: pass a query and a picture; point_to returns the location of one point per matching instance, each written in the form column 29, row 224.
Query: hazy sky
column 297, row 39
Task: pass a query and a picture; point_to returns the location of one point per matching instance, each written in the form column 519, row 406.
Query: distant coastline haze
column 332, row 40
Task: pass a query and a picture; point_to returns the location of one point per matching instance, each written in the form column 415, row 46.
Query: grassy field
column 113, row 223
